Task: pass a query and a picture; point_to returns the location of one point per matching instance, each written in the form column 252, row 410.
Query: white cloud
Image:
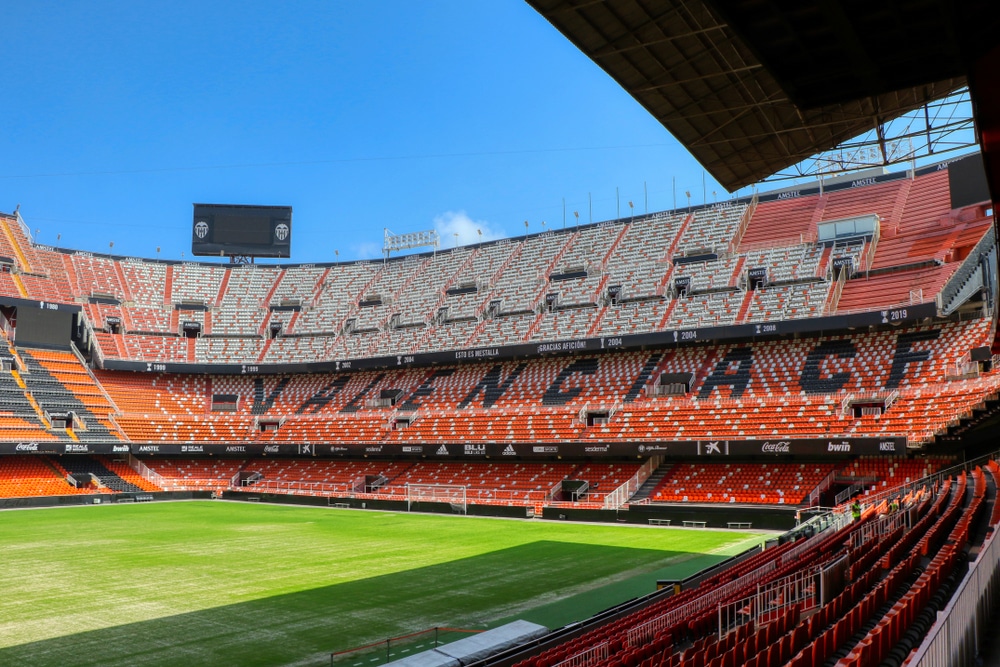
column 469, row 231
column 367, row 250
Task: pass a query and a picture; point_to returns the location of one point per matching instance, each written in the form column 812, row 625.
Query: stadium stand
column 488, row 483
column 194, row 474
column 834, row 590
column 60, row 383
column 149, row 289
column 706, row 424
column 866, row 384
column 106, row 478
column 22, row 476
column 615, row 277
column 395, row 429
column 765, row 483
column 770, row 609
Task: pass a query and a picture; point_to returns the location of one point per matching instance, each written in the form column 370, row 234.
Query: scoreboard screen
column 236, row 229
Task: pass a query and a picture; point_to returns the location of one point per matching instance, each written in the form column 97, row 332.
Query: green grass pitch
column 217, row 583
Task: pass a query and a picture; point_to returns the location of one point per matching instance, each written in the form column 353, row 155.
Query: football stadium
column 758, row 431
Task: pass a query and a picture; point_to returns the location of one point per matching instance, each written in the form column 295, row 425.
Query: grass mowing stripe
column 617, row 589
column 229, row 583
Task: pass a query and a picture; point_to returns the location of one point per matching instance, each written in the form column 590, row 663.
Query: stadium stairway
column 21, row 421
column 106, row 478
column 650, row 485
column 983, row 522
column 53, row 395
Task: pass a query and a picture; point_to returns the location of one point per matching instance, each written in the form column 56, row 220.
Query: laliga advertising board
column 223, row 230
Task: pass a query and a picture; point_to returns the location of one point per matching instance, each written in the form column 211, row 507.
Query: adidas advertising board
column 820, row 448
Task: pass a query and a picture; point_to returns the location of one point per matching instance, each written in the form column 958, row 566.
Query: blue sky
column 458, row 115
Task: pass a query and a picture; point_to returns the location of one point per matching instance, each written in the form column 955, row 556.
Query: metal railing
column 833, row 298
column 296, row 488
column 966, row 272
column 348, row 490
column 872, row 531
column 149, row 475
column 821, row 488
column 963, row 626
column 648, row 630
column 799, row 589
column 868, row 255
column 621, row 495
column 743, row 224
column 834, row 519
column 848, row 493
column 592, row 656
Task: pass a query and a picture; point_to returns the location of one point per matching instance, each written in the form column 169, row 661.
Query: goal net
column 452, row 494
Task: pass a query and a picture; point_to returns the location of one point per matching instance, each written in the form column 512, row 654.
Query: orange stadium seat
column 22, row 476
column 921, row 240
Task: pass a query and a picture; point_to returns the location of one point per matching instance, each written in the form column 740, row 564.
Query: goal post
column 451, row 494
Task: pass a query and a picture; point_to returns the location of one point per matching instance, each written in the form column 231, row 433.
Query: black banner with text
column 679, row 449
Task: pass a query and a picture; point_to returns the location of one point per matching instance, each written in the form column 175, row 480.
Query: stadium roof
column 751, row 87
